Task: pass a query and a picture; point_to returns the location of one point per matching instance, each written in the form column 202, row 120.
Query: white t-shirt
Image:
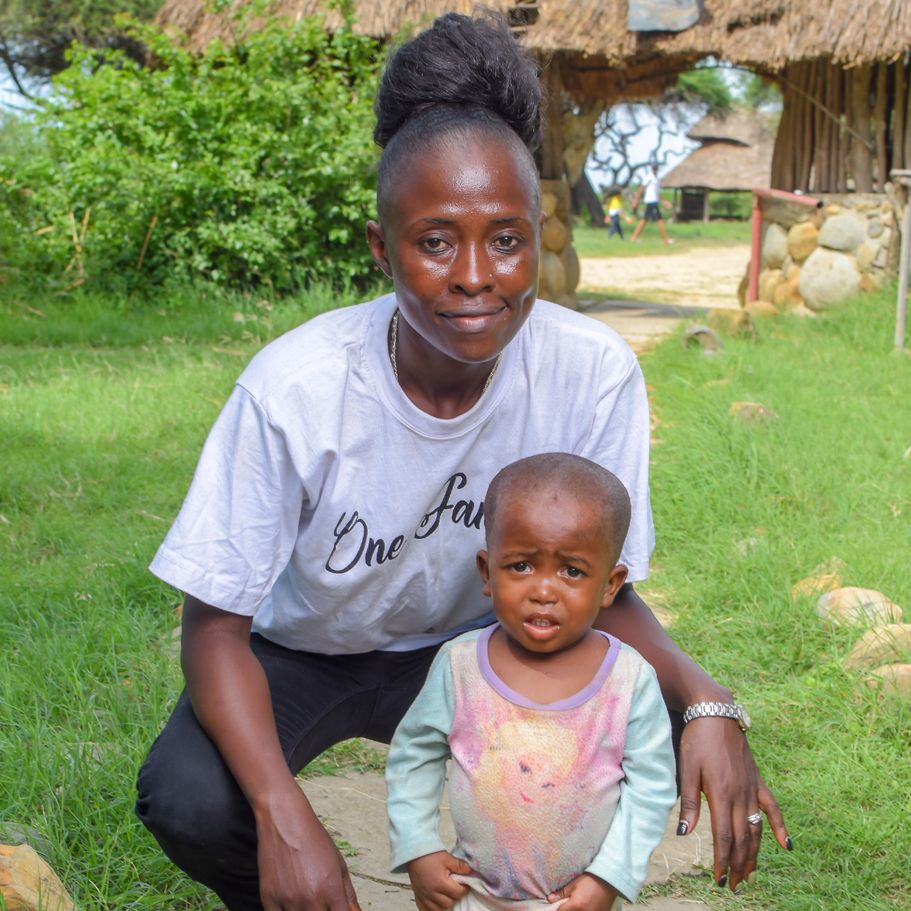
column 652, row 188
column 344, row 519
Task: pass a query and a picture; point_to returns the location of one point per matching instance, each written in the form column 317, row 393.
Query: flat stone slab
column 353, row 809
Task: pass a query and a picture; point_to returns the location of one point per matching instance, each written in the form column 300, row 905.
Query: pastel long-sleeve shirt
column 539, row 793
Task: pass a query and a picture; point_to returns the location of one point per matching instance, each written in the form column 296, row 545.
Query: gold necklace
column 393, row 348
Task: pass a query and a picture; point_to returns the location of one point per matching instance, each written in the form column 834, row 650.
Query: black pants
column 190, row 801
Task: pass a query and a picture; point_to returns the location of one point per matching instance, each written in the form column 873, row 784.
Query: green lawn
column 103, row 410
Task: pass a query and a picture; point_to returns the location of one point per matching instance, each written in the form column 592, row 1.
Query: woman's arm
column 300, row 868
column 715, row 757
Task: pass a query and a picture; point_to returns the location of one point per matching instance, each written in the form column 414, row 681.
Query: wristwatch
column 718, row 710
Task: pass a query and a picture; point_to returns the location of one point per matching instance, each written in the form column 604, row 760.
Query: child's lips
column 541, row 628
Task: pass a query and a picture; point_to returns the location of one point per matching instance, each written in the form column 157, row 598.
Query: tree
column 618, row 150
column 35, row 34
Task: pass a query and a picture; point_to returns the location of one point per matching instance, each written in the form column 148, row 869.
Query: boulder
column 769, row 280
column 802, row 240
column 752, row 412
column 571, row 267
column 554, row 234
column 27, row 883
column 703, row 337
column 14, row 833
column 865, row 255
column 881, row 645
column 828, row 277
column 730, row 322
column 774, row 245
column 845, row 232
column 874, row 228
column 891, row 678
column 548, row 204
column 815, row 585
column 857, row 607
column 552, row 276
column 761, row 309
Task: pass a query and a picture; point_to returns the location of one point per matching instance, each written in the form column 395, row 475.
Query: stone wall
column 559, row 271
column 813, row 258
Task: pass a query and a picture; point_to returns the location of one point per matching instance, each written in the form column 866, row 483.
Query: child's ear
column 484, row 570
column 614, row 583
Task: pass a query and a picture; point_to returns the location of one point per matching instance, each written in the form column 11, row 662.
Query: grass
column 686, row 235
column 743, row 511
column 103, row 410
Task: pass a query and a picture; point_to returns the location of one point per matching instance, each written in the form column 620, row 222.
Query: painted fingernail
column 723, row 880
column 789, row 844
column 682, row 827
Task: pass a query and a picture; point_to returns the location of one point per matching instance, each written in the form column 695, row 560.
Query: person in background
column 650, row 193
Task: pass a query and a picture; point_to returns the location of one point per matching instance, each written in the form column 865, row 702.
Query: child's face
column 460, row 240
column 546, row 569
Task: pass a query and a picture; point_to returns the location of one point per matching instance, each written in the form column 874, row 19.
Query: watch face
column 743, row 717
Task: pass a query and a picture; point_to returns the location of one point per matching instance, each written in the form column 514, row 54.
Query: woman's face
column 460, row 241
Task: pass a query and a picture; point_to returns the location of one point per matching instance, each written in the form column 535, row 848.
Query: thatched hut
column 735, row 154
column 843, row 67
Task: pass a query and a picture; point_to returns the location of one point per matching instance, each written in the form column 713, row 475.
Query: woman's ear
column 484, row 570
column 376, row 240
column 614, row 583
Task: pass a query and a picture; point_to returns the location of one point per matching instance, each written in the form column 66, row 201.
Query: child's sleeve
column 648, row 791
column 416, row 767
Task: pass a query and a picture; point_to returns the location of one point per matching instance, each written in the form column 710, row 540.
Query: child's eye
column 522, row 566
column 574, row 572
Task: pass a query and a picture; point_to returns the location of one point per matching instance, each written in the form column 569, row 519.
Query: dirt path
column 699, row 277
column 651, row 294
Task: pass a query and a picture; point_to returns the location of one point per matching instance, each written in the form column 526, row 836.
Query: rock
column 881, row 645
column 815, row 585
column 553, row 276
column 844, row 232
column 554, row 234
column 571, row 267
column 891, row 678
column 871, row 281
column 802, row 241
column 701, row 337
column 832, row 209
column 784, row 212
column 865, row 256
column 12, row 833
column 874, row 228
column 774, row 245
column 769, row 280
column 857, row 607
column 548, row 204
column 828, row 277
column 27, row 883
column 752, row 412
column 730, row 322
column 762, row 309
column 881, row 258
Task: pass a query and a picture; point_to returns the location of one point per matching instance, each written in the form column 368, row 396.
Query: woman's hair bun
column 462, row 61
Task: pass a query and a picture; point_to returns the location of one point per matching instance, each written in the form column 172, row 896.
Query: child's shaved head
column 567, row 477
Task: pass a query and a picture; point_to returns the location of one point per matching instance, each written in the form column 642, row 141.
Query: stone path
column 353, row 809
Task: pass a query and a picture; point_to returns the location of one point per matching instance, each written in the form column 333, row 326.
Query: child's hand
column 585, row 893
column 431, row 879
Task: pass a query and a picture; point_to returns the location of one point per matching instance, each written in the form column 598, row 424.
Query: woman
column 337, row 506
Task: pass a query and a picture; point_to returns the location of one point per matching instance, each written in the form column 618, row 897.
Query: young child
column 562, row 773
column 615, row 212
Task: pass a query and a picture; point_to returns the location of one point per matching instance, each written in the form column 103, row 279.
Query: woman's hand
column 585, row 893
column 431, row 879
column 715, row 758
column 300, row 868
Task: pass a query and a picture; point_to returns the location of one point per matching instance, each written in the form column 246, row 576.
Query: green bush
column 246, row 165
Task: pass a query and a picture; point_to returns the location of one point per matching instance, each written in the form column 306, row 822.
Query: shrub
column 245, row 165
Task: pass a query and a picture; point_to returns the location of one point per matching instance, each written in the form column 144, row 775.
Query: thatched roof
column 591, row 34
column 736, row 154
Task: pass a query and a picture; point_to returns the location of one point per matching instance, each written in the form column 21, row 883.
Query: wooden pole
column 881, row 124
column 841, row 140
column 858, row 108
column 898, row 123
column 552, row 147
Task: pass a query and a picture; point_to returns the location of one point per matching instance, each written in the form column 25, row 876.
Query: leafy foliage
column 247, row 165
